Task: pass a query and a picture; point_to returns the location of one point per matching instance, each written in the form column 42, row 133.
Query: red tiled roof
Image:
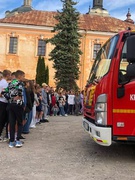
column 37, row 18
column 87, row 21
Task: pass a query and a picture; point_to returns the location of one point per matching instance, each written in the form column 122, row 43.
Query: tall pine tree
column 42, row 72
column 46, row 74
column 66, row 52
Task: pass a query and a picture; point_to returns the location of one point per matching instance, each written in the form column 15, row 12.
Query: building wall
column 26, row 57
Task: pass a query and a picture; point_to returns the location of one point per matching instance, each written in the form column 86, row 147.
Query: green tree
column 66, row 52
column 42, row 72
column 46, row 74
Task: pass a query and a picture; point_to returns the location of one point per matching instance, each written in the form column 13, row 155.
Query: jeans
column 55, row 112
column 66, row 108
column 62, row 112
column 45, row 110
column 28, row 122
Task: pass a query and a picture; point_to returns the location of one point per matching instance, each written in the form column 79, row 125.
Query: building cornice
column 32, row 27
column 20, row 26
column 97, row 33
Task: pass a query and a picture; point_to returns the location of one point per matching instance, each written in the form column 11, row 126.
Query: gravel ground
column 62, row 150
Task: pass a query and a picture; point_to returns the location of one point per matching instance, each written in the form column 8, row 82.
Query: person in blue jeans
column 29, row 105
column 61, row 105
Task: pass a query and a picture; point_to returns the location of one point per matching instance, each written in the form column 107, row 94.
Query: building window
column 41, row 47
column 96, row 49
column 13, row 45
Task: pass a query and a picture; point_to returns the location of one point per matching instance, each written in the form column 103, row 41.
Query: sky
column 116, row 8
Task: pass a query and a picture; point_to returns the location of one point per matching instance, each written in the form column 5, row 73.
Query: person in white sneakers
column 14, row 94
column 71, row 103
column 4, row 78
column 61, row 104
column 36, row 103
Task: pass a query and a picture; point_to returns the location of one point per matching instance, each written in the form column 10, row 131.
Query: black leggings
column 15, row 115
column 71, row 109
column 3, row 115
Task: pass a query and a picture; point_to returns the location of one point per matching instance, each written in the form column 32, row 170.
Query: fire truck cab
column 109, row 96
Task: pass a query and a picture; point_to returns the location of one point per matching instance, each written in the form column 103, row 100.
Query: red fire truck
column 109, row 96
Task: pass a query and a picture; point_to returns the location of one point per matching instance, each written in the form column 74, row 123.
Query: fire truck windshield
column 103, row 60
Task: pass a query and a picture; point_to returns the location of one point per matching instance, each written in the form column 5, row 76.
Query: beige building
column 24, row 31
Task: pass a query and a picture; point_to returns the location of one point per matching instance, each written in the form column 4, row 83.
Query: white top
column 64, row 97
column 71, row 99
column 3, row 84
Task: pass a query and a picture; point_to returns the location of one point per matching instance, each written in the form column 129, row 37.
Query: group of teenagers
column 24, row 104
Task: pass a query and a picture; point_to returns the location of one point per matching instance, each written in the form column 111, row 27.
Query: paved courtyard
column 61, row 150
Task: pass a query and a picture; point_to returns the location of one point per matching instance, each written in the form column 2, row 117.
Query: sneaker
column 11, row 144
column 66, row 115
column 38, row 123
column 21, row 137
column 33, row 126
column 18, row 144
column 5, row 139
column 42, row 120
column 46, row 120
column 47, row 117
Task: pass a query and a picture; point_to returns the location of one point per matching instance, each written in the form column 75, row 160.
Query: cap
column 44, row 84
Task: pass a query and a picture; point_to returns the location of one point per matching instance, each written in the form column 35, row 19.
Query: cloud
column 82, row 2
column 119, row 8
column 2, row 14
column 7, row 5
column 4, row 5
column 52, row 5
column 118, row 4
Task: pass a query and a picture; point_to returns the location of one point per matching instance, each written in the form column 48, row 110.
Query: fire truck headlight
column 101, row 110
column 101, row 118
column 100, row 107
